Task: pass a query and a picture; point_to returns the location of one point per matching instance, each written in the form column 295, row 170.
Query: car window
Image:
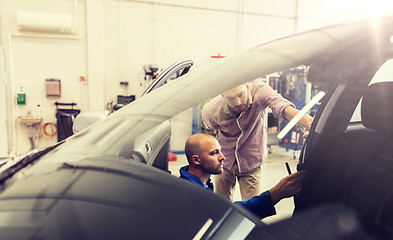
column 342, row 112
column 340, row 129
column 176, row 74
column 384, row 74
column 171, row 73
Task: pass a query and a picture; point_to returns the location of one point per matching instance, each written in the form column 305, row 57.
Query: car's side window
column 341, row 125
column 384, row 74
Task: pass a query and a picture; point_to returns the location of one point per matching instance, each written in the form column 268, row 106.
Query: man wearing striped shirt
column 238, row 116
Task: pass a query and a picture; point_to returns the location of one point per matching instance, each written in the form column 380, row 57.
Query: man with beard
column 238, row 116
column 204, row 156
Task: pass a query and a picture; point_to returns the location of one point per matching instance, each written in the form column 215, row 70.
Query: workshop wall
column 29, row 59
column 110, row 42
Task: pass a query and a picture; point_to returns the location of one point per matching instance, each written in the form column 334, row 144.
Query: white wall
column 31, row 57
column 115, row 38
column 3, row 108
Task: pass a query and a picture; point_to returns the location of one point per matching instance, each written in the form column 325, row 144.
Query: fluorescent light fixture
column 300, row 114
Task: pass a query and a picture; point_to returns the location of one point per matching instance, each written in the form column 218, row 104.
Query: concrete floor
column 273, row 170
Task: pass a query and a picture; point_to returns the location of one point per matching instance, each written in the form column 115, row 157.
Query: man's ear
column 195, row 160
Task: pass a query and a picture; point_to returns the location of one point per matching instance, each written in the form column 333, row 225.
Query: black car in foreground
column 111, row 180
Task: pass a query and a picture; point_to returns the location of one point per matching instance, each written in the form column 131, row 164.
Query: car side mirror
column 86, row 119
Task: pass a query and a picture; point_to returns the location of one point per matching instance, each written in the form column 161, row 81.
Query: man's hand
column 306, row 134
column 287, row 187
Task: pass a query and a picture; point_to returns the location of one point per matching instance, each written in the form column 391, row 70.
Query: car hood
column 106, row 197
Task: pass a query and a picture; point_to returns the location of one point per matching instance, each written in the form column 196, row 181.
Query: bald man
column 205, row 158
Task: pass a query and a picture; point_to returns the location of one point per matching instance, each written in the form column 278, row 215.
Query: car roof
column 281, row 54
column 311, row 47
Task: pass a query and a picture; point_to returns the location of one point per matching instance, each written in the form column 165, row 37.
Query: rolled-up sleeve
column 272, row 99
column 210, row 113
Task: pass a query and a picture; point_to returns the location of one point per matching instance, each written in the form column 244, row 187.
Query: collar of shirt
column 194, row 179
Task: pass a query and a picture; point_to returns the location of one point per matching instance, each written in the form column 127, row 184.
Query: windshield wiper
column 14, row 165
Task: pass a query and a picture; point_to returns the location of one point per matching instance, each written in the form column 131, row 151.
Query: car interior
column 150, row 147
column 352, row 160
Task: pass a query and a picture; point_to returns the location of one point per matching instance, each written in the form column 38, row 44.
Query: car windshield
column 119, row 133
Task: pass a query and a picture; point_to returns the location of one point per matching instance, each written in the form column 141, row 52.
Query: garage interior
column 75, row 56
